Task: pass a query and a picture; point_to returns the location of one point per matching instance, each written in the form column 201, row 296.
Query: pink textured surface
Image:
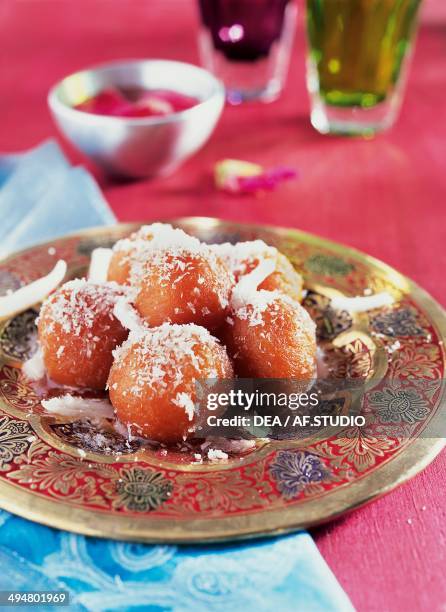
column 385, row 196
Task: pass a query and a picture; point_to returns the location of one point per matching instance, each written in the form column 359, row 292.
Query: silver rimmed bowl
column 143, row 146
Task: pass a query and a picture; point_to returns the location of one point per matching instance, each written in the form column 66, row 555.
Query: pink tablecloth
column 385, row 196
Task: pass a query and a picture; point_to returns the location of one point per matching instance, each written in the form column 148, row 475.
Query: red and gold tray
column 54, row 471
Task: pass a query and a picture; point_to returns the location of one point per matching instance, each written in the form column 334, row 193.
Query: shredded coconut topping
column 165, row 351
column 143, row 234
column 238, row 257
column 235, row 446
column 18, row 301
column 76, row 304
column 99, row 264
column 214, row 454
column 184, row 400
column 172, row 253
column 71, row 405
column 247, row 302
column 34, row 368
column 362, row 303
column 127, row 315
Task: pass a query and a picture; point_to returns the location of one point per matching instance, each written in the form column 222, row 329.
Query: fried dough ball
column 152, row 380
column 243, row 257
column 182, row 286
column 176, row 278
column 272, row 337
column 120, row 264
column 78, row 332
column 119, row 268
column 284, row 279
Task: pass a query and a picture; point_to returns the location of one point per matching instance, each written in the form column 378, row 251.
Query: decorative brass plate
column 52, row 469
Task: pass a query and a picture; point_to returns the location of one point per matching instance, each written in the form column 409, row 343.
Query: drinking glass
column 247, row 44
column 358, row 57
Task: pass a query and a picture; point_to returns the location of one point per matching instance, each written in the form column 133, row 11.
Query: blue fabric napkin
column 43, row 197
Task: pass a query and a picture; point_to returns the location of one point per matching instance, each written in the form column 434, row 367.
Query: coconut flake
column 236, row 446
column 75, row 406
column 184, row 400
column 99, row 264
column 249, row 303
column 362, row 303
column 229, row 445
column 34, row 368
column 127, row 315
column 144, row 234
column 121, row 429
column 29, row 295
column 245, row 291
column 238, row 256
column 214, row 454
column 77, row 303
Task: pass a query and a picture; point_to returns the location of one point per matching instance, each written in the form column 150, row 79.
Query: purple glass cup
column 247, row 44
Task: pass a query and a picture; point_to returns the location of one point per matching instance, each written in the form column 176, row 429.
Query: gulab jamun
column 152, row 379
column 177, row 279
column 123, row 251
column 268, row 334
column 78, row 332
column 243, row 257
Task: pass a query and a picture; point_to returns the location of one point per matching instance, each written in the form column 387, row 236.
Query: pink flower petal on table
column 238, row 176
column 267, row 181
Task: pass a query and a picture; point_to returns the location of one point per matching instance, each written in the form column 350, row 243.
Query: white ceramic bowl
column 138, row 147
